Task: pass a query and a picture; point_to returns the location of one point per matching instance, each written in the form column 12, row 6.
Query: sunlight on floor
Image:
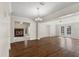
column 66, row 43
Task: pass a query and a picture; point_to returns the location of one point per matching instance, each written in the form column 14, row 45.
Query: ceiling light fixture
column 42, row 3
column 38, row 18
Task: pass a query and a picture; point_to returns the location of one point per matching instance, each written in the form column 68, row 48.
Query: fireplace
column 18, row 32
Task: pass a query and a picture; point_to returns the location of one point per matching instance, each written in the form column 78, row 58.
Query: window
column 62, row 30
column 69, row 30
column 26, row 30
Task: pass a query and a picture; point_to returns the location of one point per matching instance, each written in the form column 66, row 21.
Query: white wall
column 42, row 30
column 72, row 21
column 47, row 29
column 75, row 30
column 4, row 29
column 54, row 26
column 32, row 29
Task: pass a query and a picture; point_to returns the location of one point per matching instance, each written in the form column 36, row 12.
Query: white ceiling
column 28, row 9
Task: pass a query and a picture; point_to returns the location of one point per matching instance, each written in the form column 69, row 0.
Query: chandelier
column 38, row 18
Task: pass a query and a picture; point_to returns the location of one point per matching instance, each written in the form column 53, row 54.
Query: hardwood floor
column 45, row 47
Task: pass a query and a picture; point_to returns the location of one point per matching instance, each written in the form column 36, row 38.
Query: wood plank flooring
column 45, row 47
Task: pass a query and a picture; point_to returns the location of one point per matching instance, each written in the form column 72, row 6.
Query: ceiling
column 29, row 9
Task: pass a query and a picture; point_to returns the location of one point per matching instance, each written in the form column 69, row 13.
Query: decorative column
column 37, row 30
